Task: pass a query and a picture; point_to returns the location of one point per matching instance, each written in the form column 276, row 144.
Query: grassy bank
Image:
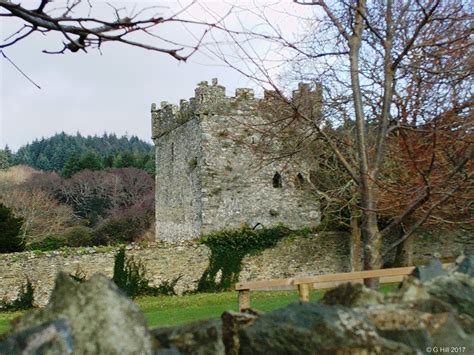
column 173, row 310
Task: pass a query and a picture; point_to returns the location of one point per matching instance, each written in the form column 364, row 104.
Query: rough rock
column 200, row 338
column 465, row 265
column 102, row 319
column 416, row 329
column 52, row 338
column 456, row 289
column 232, row 322
column 417, row 339
column 448, row 332
column 315, row 328
column 410, row 290
column 433, row 269
column 352, row 295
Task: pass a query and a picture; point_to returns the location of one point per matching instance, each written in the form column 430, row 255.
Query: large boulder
column 200, row 338
column 456, row 289
column 416, row 329
column 102, row 319
column 316, row 328
column 51, row 338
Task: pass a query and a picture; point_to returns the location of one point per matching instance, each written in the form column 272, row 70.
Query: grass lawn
column 174, row 310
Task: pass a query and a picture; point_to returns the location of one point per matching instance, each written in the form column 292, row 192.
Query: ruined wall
column 209, row 176
column 300, row 256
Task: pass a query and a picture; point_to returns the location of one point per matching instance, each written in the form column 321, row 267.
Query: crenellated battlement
column 210, row 99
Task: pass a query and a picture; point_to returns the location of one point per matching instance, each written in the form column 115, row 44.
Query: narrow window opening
column 172, row 151
column 299, row 181
column 277, row 180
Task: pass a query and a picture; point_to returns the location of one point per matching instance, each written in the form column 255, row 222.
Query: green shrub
column 79, row 236
column 51, row 242
column 119, row 230
column 130, row 277
column 10, row 226
column 24, row 299
column 229, row 247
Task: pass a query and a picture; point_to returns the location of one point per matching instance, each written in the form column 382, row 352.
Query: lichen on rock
column 102, row 319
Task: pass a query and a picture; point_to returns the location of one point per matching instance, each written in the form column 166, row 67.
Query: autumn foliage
column 92, row 207
column 426, row 168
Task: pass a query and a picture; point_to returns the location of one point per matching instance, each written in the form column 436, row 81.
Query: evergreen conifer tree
column 10, row 239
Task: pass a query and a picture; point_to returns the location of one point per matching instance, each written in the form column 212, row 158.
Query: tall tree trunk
column 404, row 253
column 370, row 231
column 355, row 242
column 355, row 245
column 372, row 245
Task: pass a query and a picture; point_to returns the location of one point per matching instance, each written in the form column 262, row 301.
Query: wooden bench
column 318, row 282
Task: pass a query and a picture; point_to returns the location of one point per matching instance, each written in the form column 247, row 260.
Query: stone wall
column 318, row 254
column 178, row 183
column 238, row 187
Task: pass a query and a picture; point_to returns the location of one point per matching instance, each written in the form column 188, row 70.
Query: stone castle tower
column 208, row 176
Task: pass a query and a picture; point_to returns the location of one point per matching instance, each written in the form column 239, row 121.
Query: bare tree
column 387, row 67
column 75, row 22
column 43, row 216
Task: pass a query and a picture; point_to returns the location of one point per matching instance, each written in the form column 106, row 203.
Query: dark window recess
column 277, row 180
column 299, row 181
column 172, row 151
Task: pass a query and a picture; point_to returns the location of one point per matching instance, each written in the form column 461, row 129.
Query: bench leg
column 303, row 291
column 244, row 300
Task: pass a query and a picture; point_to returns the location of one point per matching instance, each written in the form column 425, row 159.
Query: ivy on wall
column 228, row 249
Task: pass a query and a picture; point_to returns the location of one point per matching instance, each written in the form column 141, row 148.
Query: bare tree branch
column 84, row 32
column 21, row 71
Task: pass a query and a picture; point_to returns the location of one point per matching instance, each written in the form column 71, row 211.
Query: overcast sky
column 93, row 93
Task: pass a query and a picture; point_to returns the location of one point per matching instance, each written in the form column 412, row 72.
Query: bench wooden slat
column 319, row 282
column 349, row 276
column 346, row 276
column 332, row 284
column 325, row 281
column 251, row 285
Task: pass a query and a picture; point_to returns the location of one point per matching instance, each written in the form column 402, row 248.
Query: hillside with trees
column 90, row 208
column 68, row 154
